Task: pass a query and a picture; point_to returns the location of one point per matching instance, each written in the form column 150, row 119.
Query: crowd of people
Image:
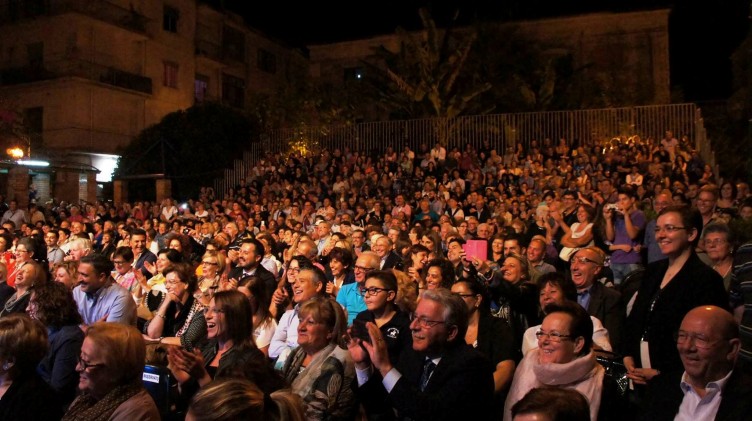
column 584, row 281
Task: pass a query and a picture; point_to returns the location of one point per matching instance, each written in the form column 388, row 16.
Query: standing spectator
column 13, row 214
column 623, row 228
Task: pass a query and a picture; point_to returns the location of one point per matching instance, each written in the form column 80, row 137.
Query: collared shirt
column 111, row 301
column 286, row 335
column 583, row 297
column 696, row 407
column 55, row 255
column 350, row 299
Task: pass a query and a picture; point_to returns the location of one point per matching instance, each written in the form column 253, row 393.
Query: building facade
column 88, row 76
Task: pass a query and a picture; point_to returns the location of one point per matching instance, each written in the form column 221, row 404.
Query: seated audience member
column 212, row 267
column 319, row 370
column 710, row 387
column 487, row 334
column 154, row 288
column 110, row 369
column 180, row 318
column 6, row 291
column 308, row 283
column 341, row 270
column 349, row 295
column 556, row 290
column 66, row 273
column 564, row 358
column 53, row 305
column 264, row 324
column 229, row 350
column 552, row 404
column 27, row 250
column 237, row 399
column 99, row 297
column 124, row 273
column 440, row 377
column 24, row 395
column 380, row 292
column 31, row 275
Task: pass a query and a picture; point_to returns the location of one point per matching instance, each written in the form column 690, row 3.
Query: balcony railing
column 12, row 11
column 77, row 68
column 209, row 50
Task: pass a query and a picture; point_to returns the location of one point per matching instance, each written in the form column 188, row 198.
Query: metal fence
column 501, row 130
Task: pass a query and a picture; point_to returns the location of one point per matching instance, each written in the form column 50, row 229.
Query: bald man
column 709, row 388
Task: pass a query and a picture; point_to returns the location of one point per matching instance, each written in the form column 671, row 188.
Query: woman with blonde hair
column 320, row 370
column 110, row 368
column 236, row 399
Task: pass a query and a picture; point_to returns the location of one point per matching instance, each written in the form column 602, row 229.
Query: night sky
column 703, row 34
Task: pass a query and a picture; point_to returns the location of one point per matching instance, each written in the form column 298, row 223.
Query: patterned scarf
column 87, row 408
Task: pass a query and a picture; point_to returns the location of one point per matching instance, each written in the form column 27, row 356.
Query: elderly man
column 349, row 296
column 710, row 388
column 388, row 258
column 600, row 301
column 438, row 378
column 98, row 296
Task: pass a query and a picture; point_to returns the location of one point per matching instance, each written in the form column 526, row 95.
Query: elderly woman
column 53, row 305
column 212, row 266
column 320, row 370
column 718, row 241
column 155, row 288
column 179, row 320
column 564, row 358
column 29, row 276
column 23, row 393
column 110, row 369
column 26, row 251
column 556, row 290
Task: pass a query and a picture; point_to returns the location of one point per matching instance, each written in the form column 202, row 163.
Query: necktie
column 428, row 368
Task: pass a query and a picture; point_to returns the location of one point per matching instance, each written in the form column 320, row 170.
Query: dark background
column 702, row 34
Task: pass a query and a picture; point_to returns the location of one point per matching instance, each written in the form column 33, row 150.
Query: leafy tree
column 191, row 147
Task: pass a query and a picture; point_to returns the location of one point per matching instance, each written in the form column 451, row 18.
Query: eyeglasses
column 681, row 337
column 21, row 251
column 118, row 262
column 209, row 263
column 422, row 322
column 214, row 310
column 552, row 336
column 371, row 291
column 583, row 259
column 715, row 243
column 293, row 270
column 363, row 269
column 86, row 365
column 668, row 228
column 464, row 295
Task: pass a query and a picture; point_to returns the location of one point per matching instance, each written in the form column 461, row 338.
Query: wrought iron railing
column 501, row 130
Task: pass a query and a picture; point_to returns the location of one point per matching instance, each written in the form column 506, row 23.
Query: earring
column 7, row 366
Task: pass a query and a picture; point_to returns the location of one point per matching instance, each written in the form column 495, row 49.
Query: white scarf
column 582, row 374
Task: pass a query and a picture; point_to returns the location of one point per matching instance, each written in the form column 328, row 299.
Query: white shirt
column 286, row 335
column 693, row 407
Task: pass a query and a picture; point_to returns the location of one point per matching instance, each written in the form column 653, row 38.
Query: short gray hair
column 455, row 309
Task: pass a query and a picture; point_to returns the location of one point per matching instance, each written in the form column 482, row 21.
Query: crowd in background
column 418, row 284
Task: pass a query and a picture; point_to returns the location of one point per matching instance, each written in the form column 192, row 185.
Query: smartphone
column 476, row 248
column 360, row 331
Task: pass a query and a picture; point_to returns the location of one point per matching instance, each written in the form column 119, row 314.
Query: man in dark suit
column 389, row 259
column 439, row 378
column 249, row 263
column 600, row 301
column 710, row 388
column 141, row 254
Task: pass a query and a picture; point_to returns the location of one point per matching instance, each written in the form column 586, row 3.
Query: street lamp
column 15, row 153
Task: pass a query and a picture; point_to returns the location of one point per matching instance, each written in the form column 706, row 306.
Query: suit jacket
column 665, row 396
column 461, row 387
column 393, row 261
column 146, row 256
column 264, row 275
column 605, row 304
